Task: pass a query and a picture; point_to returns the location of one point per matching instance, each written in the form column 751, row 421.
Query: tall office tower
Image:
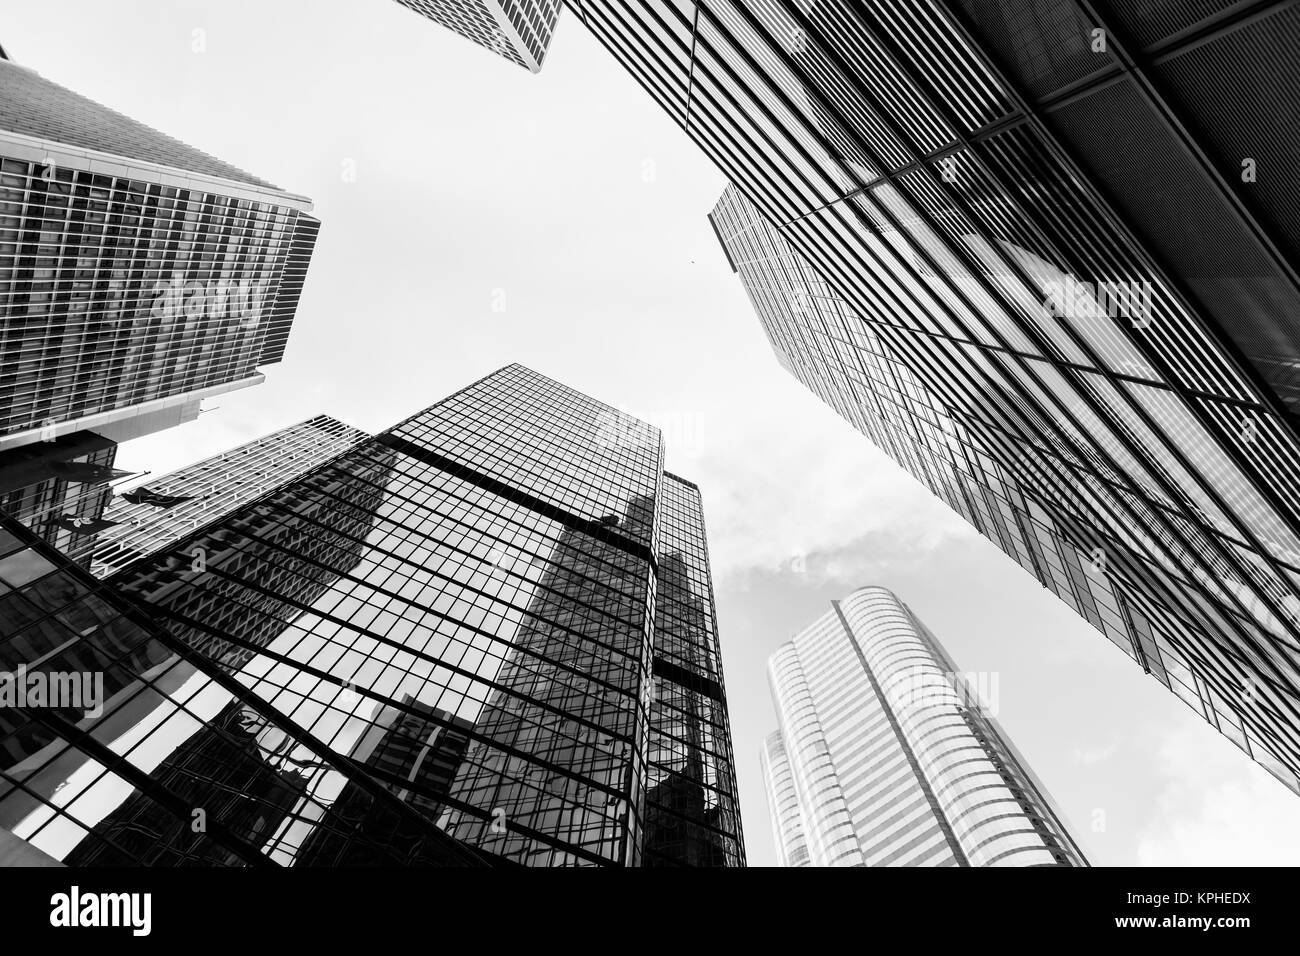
column 783, row 803
column 1049, row 250
column 138, row 275
column 165, row 508
column 888, row 756
column 458, row 622
column 519, row 30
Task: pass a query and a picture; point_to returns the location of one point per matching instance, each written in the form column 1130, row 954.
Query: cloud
column 1218, row 809
column 790, row 485
column 1094, row 755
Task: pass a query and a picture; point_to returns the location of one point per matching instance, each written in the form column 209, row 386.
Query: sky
column 475, row 214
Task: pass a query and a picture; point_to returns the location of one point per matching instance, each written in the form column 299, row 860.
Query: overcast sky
column 572, row 199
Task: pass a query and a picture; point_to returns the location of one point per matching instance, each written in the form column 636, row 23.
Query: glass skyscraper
column 1044, row 256
column 888, row 756
column 138, row 275
column 484, row 635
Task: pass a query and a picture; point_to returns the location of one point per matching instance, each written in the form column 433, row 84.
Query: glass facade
column 453, row 628
column 886, row 756
column 60, row 489
column 181, row 765
column 213, row 487
column 692, row 814
column 136, row 273
column 1025, row 246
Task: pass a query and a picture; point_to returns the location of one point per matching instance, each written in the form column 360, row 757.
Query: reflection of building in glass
column 454, row 625
column 215, row 486
column 218, row 770
column 235, row 585
column 555, row 745
column 60, row 489
column 887, row 757
column 421, row 744
column 138, row 275
column 176, row 735
column 692, row 817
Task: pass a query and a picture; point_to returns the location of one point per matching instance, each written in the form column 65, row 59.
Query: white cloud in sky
column 791, row 485
column 1094, row 755
column 1218, row 809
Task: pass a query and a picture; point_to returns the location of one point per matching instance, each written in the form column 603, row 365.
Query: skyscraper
column 519, row 30
column 138, row 275
column 888, row 756
column 784, row 812
column 458, row 622
column 164, row 508
column 1048, row 258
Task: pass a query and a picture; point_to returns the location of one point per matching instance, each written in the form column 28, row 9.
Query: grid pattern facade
column 569, row 696
column 692, row 806
column 215, row 487
column 485, row 567
column 123, row 285
column 412, row 747
column 178, row 742
column 519, row 30
column 883, row 759
column 1062, row 248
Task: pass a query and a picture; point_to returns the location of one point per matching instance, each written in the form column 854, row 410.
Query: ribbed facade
column 214, row 487
column 482, row 578
column 136, row 272
column 886, row 757
column 862, row 800
column 783, row 803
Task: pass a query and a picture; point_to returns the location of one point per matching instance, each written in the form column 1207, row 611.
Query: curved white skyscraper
column 887, row 757
column 783, row 802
